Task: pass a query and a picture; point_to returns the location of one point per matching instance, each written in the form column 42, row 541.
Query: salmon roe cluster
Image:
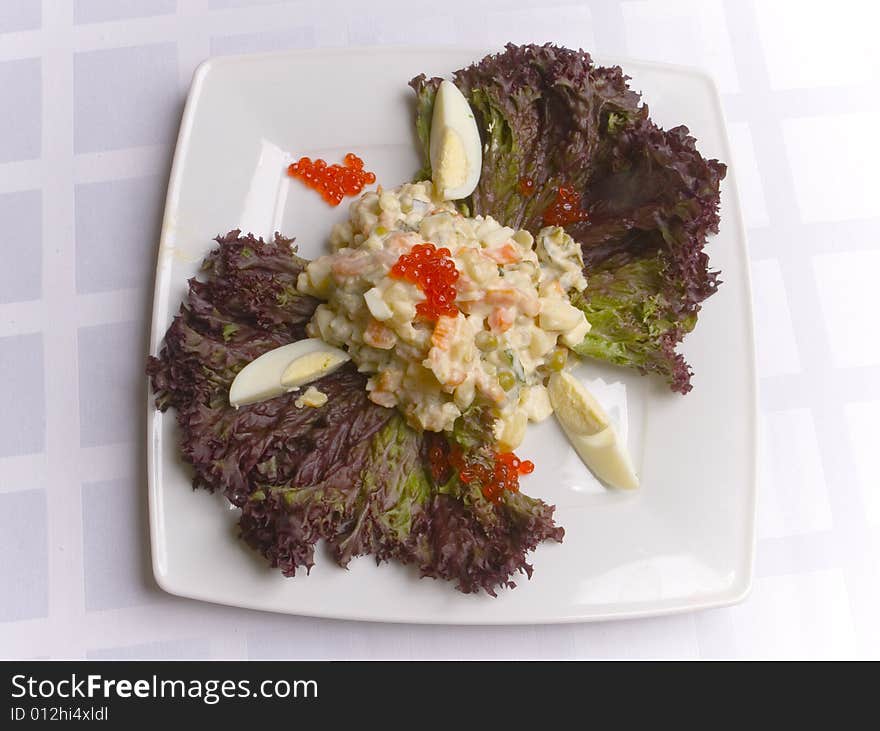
column 526, row 186
column 565, row 209
column 333, row 182
column 502, row 474
column 432, row 271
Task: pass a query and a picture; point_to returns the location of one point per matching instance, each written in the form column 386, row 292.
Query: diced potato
column 497, row 237
column 513, row 431
column 420, row 379
column 322, row 320
column 312, row 398
column 464, row 394
column 403, row 311
column 576, row 334
column 341, row 330
column 524, row 239
column 302, row 283
column 535, row 401
column 479, row 268
column 541, row 342
column 318, row 273
column 341, row 235
column 485, row 227
column 559, row 315
column 388, row 202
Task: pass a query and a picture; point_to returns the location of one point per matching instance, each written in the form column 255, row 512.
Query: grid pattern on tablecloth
column 96, row 88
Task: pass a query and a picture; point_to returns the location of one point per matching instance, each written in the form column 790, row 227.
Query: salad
column 492, row 338
column 373, row 398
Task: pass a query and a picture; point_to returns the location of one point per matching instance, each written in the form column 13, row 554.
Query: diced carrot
column 379, row 336
column 504, row 254
column 503, row 297
column 501, row 319
column 444, row 331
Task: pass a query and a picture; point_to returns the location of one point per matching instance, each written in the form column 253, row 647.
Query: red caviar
column 432, row 271
column 565, row 209
column 526, row 186
column 438, row 457
column 333, row 182
column 494, row 477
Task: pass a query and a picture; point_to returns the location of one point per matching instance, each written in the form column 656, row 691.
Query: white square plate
column 684, row 540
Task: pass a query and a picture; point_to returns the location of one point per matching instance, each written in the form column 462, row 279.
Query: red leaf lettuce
column 550, row 115
column 350, row 472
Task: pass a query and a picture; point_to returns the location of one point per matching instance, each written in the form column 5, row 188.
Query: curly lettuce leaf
column 351, row 473
column 480, row 544
column 238, row 450
column 550, row 115
column 395, row 490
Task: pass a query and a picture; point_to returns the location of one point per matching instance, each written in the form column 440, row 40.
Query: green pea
column 558, row 359
column 381, row 230
column 506, row 380
column 486, row 340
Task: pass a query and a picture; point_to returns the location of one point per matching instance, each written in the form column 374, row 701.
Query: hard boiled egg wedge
column 285, row 369
column 590, row 432
column 456, row 155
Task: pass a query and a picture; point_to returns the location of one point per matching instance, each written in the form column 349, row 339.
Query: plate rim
column 742, row 584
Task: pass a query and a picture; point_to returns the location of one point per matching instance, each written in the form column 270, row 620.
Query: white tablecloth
column 91, row 95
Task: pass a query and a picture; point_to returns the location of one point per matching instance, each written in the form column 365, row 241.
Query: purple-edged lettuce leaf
column 350, row 472
column 392, row 510
column 449, row 531
column 550, row 115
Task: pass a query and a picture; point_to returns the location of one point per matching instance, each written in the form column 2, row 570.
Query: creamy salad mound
column 512, row 325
